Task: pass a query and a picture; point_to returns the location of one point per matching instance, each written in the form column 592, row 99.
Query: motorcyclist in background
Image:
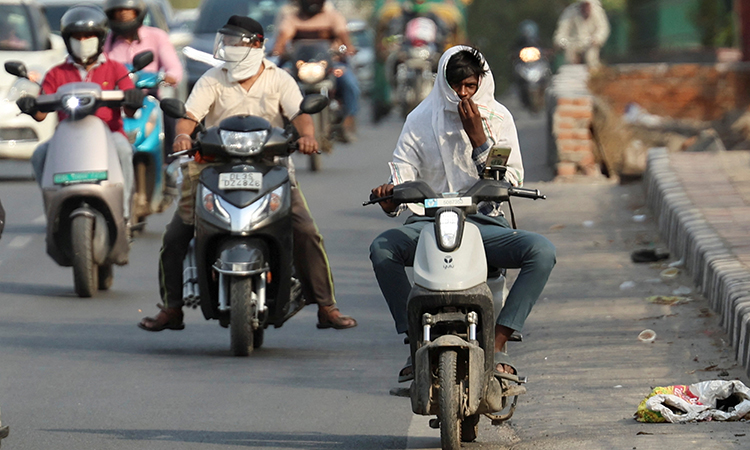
column 528, row 35
column 391, row 17
column 84, row 29
column 319, row 19
column 581, row 32
column 129, row 37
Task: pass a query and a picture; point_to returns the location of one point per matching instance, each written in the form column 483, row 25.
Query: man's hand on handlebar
column 384, row 190
column 307, row 145
column 182, row 142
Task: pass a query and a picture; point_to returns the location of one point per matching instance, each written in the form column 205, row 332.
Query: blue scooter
column 145, row 132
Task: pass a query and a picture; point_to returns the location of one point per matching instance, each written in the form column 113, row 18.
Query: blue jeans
column 505, row 247
column 348, row 89
column 124, row 154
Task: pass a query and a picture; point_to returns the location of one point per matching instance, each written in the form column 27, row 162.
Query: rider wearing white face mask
column 245, row 84
column 83, row 29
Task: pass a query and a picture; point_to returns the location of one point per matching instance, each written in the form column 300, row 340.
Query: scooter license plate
column 444, row 202
column 251, row 181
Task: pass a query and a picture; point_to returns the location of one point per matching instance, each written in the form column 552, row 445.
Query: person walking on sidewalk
column 246, row 83
column 581, row 32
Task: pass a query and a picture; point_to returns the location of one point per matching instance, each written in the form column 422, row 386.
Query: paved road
column 78, row 373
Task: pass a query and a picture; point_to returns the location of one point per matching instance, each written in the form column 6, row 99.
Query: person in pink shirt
column 129, row 37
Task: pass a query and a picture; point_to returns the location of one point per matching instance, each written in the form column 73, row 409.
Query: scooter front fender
column 424, row 398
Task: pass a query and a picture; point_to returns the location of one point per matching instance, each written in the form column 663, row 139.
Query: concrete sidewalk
column 702, row 202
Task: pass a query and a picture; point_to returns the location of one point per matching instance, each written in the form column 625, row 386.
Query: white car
column 24, row 36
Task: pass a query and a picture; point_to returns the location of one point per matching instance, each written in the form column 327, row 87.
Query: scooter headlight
column 264, row 208
column 212, row 204
column 78, row 105
column 243, row 143
column 312, row 72
column 448, row 229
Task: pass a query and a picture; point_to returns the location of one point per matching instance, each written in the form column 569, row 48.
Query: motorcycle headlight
column 529, row 54
column 212, row 204
column 448, row 229
column 263, row 208
column 78, row 105
column 312, row 72
column 243, row 143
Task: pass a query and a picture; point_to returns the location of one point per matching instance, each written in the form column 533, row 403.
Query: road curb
column 717, row 272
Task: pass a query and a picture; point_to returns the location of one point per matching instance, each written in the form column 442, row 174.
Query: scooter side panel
column 81, row 146
column 460, row 269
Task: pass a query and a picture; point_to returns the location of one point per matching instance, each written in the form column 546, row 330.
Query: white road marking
column 39, row 220
column 20, row 241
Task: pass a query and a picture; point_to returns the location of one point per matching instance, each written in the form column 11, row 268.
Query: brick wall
column 681, row 91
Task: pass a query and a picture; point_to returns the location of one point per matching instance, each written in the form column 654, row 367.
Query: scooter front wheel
column 240, row 322
column 85, row 270
column 450, row 404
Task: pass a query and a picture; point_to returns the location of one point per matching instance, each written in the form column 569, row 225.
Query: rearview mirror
column 313, row 104
column 174, row 108
column 142, row 59
column 16, row 68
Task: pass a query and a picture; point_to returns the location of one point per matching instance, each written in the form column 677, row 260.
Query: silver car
column 24, row 36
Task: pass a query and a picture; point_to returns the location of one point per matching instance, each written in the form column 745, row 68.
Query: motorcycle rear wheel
column 85, row 270
column 449, row 402
column 240, row 327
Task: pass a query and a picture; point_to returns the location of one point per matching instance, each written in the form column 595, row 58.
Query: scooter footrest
column 512, row 377
column 514, row 390
column 435, row 423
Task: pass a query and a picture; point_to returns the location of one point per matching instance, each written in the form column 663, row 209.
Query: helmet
column 311, row 7
column 529, row 30
column 84, row 19
column 119, row 27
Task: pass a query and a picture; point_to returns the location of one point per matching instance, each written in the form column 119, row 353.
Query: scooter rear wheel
column 450, row 404
column 240, row 326
column 85, row 270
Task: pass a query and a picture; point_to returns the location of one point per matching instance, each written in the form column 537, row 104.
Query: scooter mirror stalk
column 16, row 68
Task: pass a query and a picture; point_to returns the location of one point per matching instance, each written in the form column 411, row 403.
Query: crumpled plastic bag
column 708, row 400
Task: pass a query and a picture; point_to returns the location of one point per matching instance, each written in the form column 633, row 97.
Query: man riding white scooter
column 445, row 142
column 84, row 29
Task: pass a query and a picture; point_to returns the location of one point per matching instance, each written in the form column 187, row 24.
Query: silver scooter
column 452, row 310
column 82, row 183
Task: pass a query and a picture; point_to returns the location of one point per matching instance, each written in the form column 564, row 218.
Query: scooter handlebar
column 533, row 194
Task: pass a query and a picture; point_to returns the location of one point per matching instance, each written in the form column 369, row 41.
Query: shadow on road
column 253, row 439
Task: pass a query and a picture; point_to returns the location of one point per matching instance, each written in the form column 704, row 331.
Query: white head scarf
column 433, row 145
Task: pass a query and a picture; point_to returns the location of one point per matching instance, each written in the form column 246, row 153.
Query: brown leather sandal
column 167, row 319
column 331, row 317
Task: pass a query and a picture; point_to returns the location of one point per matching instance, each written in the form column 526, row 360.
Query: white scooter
column 82, row 183
column 452, row 311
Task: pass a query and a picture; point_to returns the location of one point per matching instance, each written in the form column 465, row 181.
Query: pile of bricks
column 570, row 110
